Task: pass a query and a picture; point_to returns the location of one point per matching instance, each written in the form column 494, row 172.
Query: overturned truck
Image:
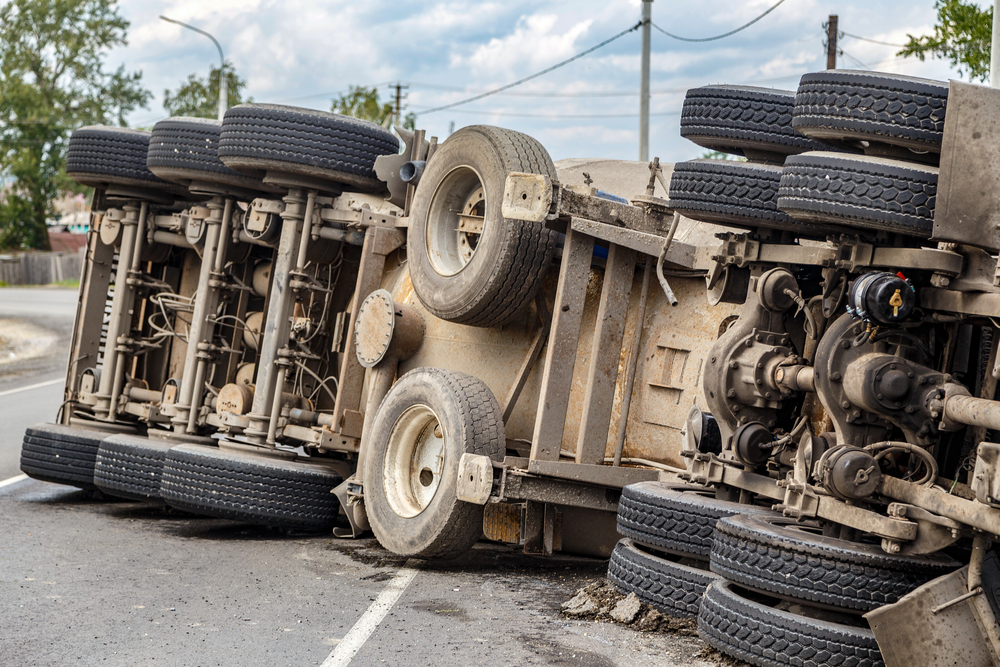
column 764, row 388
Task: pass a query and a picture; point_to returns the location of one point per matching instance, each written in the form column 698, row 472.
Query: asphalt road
column 86, row 581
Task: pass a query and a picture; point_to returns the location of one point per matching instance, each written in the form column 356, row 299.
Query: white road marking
column 362, row 630
column 31, row 386
column 13, row 480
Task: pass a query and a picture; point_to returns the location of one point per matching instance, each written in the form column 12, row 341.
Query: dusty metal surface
column 909, row 634
column 966, row 210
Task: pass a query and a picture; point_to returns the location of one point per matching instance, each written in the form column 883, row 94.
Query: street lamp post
column 223, row 92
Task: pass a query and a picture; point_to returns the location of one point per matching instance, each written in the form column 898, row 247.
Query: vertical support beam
column 647, row 19
column 602, row 375
column 560, row 355
column 94, row 285
column 995, row 47
column 831, row 42
column 347, row 417
column 200, row 329
column 277, row 324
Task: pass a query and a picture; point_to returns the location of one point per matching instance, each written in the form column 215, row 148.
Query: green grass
column 69, row 282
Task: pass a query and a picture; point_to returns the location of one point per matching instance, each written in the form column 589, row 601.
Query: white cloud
column 304, row 51
column 531, row 43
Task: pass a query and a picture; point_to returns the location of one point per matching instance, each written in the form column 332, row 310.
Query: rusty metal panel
column 564, row 337
column 352, row 374
column 909, row 633
column 968, row 208
column 593, row 474
column 521, row 486
column 674, row 347
column 602, row 373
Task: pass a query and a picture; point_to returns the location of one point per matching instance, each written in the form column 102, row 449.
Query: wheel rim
column 456, row 220
column 414, row 461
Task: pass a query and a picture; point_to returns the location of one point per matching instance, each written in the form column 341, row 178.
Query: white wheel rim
column 456, row 221
column 414, row 461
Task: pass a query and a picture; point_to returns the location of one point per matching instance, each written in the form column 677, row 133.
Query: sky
column 306, row 52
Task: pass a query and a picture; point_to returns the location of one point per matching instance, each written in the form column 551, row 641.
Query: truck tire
column 848, row 106
column 478, row 278
column 187, row 149
column 734, row 193
column 130, row 466
column 754, row 631
column 426, row 422
column 252, row 488
column 859, row 191
column 667, row 586
column 100, row 156
column 256, row 138
column 781, row 557
column 744, row 120
column 674, row 518
column 61, row 454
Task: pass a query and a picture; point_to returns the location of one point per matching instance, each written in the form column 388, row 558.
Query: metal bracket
column 800, row 502
column 475, row 478
column 736, row 249
column 986, row 477
column 705, row 469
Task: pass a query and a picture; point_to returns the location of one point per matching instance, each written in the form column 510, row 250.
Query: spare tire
column 756, row 630
column 783, row 557
column 100, row 156
column 744, row 120
column 252, row 488
column 734, row 193
column 851, row 106
column 859, row 191
column 675, row 518
column 666, row 585
column 468, row 263
column 257, row 138
column 131, row 466
column 187, row 149
column 61, row 454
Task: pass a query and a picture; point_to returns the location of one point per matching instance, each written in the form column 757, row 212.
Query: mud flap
column 352, row 506
column 923, row 629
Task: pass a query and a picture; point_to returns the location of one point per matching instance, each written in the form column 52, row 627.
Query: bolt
column 736, row 408
column 878, row 396
column 835, row 375
column 731, row 393
column 771, row 423
column 846, row 345
column 760, row 365
column 892, row 367
column 749, row 342
column 857, row 414
column 845, row 404
column 910, row 409
column 767, row 394
column 757, row 381
column 734, row 365
column 910, row 374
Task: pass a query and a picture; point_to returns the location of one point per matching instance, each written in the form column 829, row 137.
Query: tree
column 363, row 102
column 52, row 80
column 962, row 35
column 200, row 98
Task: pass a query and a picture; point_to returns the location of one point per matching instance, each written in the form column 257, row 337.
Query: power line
column 873, row 41
column 856, row 61
column 559, row 116
column 727, row 34
column 538, row 74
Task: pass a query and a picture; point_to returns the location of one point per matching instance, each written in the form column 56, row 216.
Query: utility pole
column 995, row 47
column 647, row 19
column 399, row 102
column 831, row 42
